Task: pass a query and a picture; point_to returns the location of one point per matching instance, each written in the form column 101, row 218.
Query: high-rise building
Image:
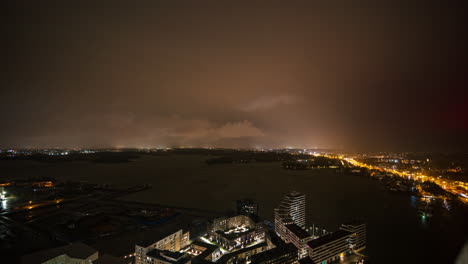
column 290, row 222
column 282, row 218
column 247, row 207
column 329, row 248
column 290, row 211
column 358, row 239
column 299, row 238
column 294, row 202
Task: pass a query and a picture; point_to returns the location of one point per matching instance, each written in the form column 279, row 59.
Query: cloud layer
column 298, row 73
column 268, row 102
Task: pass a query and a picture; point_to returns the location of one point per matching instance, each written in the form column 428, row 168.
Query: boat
column 426, row 210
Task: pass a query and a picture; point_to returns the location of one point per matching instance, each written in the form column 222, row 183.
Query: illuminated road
column 451, row 186
column 31, row 205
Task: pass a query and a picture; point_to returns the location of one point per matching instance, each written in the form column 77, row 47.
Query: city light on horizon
column 241, row 132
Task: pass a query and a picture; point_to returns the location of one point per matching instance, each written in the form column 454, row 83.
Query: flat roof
column 232, row 236
column 275, row 239
column 210, row 248
column 298, row 231
column 198, row 260
column 124, row 243
column 204, row 244
column 173, row 254
column 274, row 253
column 294, row 194
column 355, row 222
column 108, row 259
column 76, row 250
column 228, row 256
column 152, row 236
column 306, row 260
column 328, row 238
column 168, row 256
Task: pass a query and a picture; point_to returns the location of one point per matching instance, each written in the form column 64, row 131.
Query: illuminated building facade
column 329, row 248
column 244, row 255
column 295, row 203
column 166, row 241
column 299, row 238
column 290, row 221
column 290, row 211
column 204, row 251
column 279, row 255
column 225, row 223
column 76, row 253
column 156, row 256
column 247, row 207
column 235, row 232
column 358, row 239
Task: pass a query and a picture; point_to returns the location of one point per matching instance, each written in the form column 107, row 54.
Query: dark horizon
column 374, row 77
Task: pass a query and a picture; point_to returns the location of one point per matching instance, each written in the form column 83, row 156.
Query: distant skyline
column 303, row 74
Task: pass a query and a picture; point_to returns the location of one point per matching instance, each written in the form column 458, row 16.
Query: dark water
column 396, row 233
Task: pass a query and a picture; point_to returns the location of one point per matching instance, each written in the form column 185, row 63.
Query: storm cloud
column 241, row 74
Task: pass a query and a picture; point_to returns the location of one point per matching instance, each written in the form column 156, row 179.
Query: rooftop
column 150, row 237
column 198, row 260
column 298, row 231
column 204, row 244
column 232, row 236
column 274, row 253
column 355, row 223
column 306, row 260
column 294, row 194
column 124, row 243
column 275, row 239
column 227, row 257
column 328, row 238
column 75, row 250
column 108, row 259
column 168, row 256
column 210, row 248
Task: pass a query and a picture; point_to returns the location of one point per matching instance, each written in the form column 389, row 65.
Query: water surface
column 396, row 233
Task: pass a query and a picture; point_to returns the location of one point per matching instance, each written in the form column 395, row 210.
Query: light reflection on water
column 424, row 221
column 413, row 201
column 332, row 198
column 446, row 205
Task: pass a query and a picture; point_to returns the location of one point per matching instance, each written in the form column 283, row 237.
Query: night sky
column 358, row 75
